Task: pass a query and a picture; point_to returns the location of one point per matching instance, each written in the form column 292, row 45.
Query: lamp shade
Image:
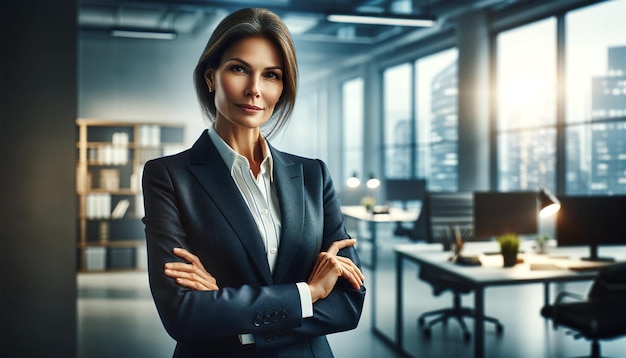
column 548, row 203
column 353, row 181
column 373, row 182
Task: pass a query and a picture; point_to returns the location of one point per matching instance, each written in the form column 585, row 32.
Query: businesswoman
column 247, row 251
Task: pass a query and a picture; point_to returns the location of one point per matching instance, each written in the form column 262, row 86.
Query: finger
column 179, row 266
column 340, row 244
column 195, row 285
column 193, row 280
column 350, row 263
column 352, row 277
column 185, row 254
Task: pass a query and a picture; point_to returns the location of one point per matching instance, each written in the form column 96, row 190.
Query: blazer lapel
column 208, row 167
column 290, row 189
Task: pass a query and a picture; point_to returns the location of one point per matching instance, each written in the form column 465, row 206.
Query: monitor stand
column 593, row 250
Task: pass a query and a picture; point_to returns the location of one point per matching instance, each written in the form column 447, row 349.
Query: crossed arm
column 329, row 267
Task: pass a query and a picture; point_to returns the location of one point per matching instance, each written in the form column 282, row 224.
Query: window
column 352, row 115
column 421, row 121
column 437, row 121
column 398, row 122
column 526, row 106
column 595, row 105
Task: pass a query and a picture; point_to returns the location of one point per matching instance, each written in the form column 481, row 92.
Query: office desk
column 395, row 215
column 490, row 273
column 358, row 212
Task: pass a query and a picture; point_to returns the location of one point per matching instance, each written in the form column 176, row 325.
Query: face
column 247, row 83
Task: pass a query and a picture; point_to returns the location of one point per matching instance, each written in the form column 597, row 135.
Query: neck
column 245, row 141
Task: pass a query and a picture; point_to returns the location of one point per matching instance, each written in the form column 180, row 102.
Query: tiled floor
column 117, row 318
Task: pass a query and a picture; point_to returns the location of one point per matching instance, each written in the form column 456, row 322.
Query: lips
column 250, row 107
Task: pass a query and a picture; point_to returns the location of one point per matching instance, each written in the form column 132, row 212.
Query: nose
column 253, row 89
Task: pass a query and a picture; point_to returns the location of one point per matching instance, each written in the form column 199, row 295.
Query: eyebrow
column 237, row 59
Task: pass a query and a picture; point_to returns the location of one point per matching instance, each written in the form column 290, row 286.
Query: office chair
column 441, row 283
column 601, row 316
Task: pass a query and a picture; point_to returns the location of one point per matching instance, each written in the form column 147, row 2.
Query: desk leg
column 374, row 258
column 479, row 323
column 399, row 294
column 546, row 293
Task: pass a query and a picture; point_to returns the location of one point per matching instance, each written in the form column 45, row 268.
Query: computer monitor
column 405, row 190
column 591, row 221
column 499, row 213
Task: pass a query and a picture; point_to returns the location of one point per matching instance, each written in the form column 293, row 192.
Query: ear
column 208, row 78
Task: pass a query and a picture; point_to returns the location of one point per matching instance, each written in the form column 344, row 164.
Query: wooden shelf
column 110, row 158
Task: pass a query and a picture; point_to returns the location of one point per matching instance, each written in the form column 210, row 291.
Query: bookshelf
column 110, row 159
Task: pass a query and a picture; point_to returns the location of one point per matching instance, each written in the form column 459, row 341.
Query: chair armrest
column 563, row 295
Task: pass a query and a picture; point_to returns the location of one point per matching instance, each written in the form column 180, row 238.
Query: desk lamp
column 548, row 203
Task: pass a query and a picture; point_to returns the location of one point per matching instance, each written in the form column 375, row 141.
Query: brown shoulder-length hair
column 241, row 24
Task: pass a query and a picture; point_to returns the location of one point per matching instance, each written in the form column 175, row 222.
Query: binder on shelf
column 120, row 209
column 95, row 258
column 110, row 179
column 121, row 258
column 98, row 206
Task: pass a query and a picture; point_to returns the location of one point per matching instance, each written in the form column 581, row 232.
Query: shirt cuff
column 305, row 299
column 246, row 339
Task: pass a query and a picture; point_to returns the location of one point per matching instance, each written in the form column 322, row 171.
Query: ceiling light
column 144, row 34
column 382, row 19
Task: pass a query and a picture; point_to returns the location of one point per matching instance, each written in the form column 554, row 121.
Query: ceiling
column 316, row 39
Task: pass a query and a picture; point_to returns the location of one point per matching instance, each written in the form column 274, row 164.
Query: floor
column 117, row 318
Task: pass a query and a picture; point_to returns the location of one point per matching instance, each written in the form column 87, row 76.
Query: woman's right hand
column 329, row 267
column 192, row 275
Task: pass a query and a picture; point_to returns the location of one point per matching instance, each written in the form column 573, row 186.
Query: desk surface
column 394, row 215
column 535, row 268
column 492, row 273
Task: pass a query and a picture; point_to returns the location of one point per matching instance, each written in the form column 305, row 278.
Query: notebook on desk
column 564, row 264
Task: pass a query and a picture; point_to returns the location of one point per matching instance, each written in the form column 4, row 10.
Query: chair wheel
column 467, row 336
column 426, row 332
column 420, row 321
column 499, row 328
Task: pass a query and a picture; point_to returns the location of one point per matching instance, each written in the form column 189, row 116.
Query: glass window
column 526, row 106
column 397, row 95
column 437, row 120
column 595, row 102
column 352, row 115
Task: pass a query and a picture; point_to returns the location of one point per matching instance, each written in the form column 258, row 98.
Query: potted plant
column 368, row 202
column 542, row 243
column 509, row 246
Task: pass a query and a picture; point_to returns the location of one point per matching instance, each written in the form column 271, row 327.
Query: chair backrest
column 439, row 211
column 610, row 283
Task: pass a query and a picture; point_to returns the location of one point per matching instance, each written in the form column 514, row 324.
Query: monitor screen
column 591, row 220
column 405, row 189
column 499, row 213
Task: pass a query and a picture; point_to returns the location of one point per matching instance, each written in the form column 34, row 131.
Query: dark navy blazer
column 191, row 201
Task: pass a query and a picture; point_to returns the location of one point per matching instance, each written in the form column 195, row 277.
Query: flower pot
column 509, row 258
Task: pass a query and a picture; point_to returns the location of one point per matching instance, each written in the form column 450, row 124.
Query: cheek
column 273, row 94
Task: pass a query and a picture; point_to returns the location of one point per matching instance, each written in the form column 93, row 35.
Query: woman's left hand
column 192, row 275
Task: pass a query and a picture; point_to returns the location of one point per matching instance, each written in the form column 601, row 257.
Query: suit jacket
column 191, row 201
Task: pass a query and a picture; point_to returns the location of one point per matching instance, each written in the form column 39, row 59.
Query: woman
column 247, row 252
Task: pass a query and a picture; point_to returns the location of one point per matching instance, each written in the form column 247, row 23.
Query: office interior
column 506, row 95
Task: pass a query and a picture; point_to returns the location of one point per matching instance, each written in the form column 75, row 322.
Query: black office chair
column 602, row 316
column 440, row 284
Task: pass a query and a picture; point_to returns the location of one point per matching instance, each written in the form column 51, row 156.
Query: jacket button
column 257, row 321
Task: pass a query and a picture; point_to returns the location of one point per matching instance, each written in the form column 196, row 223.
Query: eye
column 237, row 68
column 273, row 75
